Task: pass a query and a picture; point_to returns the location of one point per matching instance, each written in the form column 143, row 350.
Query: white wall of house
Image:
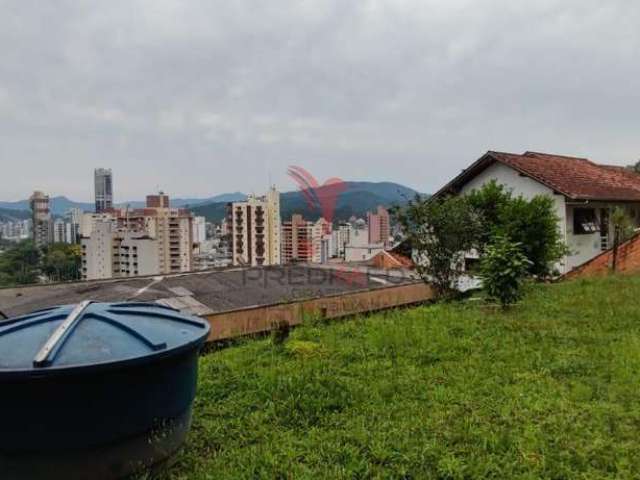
column 362, row 252
column 582, row 247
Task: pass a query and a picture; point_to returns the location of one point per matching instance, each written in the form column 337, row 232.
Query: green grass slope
column 547, row 390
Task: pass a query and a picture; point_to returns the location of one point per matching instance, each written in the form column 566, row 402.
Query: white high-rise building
column 149, row 241
column 113, row 253
column 199, row 230
column 255, row 230
column 59, row 231
column 73, row 219
column 340, row 238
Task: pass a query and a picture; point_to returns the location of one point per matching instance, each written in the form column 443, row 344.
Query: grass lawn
column 547, row 390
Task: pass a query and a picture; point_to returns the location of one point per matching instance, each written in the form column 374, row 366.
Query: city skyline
column 188, row 97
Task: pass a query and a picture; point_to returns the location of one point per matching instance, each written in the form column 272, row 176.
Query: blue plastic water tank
column 96, row 390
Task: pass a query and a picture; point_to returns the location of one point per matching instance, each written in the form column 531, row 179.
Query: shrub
column 440, row 231
column 531, row 223
column 503, row 270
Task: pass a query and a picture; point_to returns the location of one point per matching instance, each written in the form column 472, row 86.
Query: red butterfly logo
column 318, row 197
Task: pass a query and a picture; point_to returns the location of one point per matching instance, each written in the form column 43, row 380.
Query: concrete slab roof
column 203, row 293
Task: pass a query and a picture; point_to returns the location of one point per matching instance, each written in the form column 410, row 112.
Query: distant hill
column 8, row 215
column 191, row 202
column 357, row 199
column 60, row 205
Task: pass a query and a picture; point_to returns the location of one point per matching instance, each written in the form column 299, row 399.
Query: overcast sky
column 205, row 97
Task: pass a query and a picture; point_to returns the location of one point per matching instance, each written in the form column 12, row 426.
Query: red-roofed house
column 584, row 193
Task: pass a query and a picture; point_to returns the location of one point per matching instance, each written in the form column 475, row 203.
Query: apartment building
column 255, row 230
column 199, row 230
column 103, row 188
column 42, row 224
column 15, row 230
column 153, row 240
column 340, row 238
column 379, row 226
column 305, row 241
column 113, row 253
column 59, row 231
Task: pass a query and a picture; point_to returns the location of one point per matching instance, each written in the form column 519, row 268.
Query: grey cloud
column 202, row 97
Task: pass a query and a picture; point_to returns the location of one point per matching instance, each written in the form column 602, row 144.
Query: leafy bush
column 503, row 270
column 440, row 231
column 531, row 223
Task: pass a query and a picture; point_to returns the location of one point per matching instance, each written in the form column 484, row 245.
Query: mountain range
column 357, row 198
column 60, row 205
column 8, row 215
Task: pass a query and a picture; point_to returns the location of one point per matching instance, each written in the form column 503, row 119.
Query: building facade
column 103, row 180
column 305, row 241
column 379, row 226
column 16, row 230
column 340, row 239
column 154, row 240
column 42, row 224
column 255, row 230
column 199, row 230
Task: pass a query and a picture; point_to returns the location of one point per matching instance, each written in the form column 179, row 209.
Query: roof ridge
column 530, row 153
column 489, row 152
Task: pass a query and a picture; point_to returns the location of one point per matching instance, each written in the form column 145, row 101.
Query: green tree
column 490, row 201
column 19, row 264
column 635, row 167
column 440, row 232
column 61, row 262
column 531, row 223
column 503, row 270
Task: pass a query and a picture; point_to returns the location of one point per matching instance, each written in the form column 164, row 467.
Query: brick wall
column 628, row 261
column 236, row 323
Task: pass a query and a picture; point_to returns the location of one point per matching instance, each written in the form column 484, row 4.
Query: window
column 471, row 264
column 584, row 221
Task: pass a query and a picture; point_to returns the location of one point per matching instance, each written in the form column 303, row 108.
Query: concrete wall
column 226, row 325
column 583, row 247
column 97, row 252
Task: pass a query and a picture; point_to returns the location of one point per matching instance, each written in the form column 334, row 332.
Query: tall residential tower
column 255, row 230
column 41, row 216
column 103, row 189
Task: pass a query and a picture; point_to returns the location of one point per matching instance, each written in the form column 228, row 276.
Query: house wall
column 362, row 253
column 582, row 247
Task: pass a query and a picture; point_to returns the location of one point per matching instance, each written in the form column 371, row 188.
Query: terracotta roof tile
column 574, row 177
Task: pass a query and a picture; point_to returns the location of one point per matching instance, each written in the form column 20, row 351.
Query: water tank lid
column 93, row 335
